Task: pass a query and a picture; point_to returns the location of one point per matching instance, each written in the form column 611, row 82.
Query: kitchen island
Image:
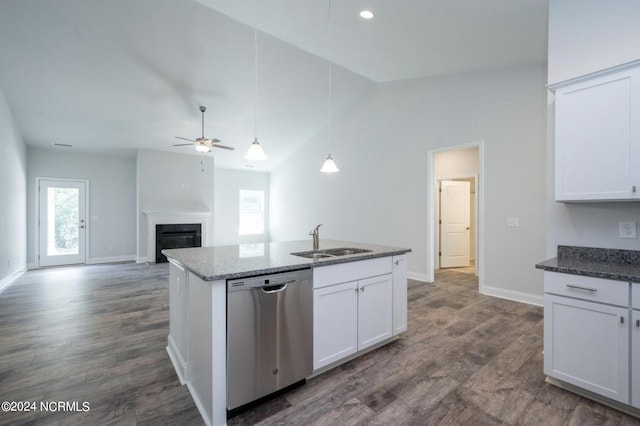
column 359, row 303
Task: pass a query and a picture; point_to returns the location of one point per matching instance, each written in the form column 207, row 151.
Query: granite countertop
column 244, row 260
column 612, row 264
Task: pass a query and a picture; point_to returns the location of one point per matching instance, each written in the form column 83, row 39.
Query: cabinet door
column 635, row 359
column 596, row 139
column 399, row 293
column 178, row 298
column 587, row 344
column 375, row 310
column 335, row 323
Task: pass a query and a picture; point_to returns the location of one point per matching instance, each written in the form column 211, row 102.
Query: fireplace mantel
column 170, row 218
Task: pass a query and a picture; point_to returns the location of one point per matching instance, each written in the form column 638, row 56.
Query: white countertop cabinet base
column 368, row 309
column 587, row 344
column 635, row 360
column 335, row 323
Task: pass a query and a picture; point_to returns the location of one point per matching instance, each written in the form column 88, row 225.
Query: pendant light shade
column 255, row 153
column 329, row 165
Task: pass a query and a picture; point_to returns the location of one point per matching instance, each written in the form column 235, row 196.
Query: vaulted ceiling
column 113, row 76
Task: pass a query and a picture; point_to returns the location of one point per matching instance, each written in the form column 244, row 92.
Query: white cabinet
column 635, row 359
column 587, row 344
column 635, row 345
column 178, row 303
column 375, row 310
column 357, row 305
column 399, row 294
column 335, row 323
column 597, row 136
column 587, row 334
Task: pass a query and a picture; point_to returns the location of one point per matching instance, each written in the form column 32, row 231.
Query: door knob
column 467, row 228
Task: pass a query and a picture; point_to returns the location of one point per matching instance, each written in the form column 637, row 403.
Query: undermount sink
column 335, row 252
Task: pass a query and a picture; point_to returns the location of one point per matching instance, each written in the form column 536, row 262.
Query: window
column 251, row 212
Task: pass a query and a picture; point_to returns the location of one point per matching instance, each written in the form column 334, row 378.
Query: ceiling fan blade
column 214, row 140
column 182, row 144
column 215, row 145
column 185, row 139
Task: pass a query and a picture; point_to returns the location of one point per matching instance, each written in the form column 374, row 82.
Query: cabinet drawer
column 350, row 271
column 635, row 296
column 587, row 288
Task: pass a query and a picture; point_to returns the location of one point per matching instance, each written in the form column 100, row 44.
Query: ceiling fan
column 203, row 144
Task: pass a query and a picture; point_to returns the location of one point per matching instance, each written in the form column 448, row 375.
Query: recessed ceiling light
column 366, row 14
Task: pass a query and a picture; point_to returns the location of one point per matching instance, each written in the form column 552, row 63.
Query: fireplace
column 181, row 235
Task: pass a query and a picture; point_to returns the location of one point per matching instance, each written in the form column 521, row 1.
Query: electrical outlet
column 628, row 230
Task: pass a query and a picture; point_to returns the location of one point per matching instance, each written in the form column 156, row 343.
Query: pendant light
column 255, row 153
column 329, row 165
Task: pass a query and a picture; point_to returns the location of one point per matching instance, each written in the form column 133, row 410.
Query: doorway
column 62, row 225
column 460, row 238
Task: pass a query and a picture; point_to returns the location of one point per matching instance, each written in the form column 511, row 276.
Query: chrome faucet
column 316, row 237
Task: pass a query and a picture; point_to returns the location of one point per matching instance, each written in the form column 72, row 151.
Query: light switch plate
column 628, row 230
column 512, row 222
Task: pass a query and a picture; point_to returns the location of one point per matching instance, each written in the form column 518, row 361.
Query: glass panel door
column 62, row 222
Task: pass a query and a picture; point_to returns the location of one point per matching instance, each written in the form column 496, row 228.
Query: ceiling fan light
column 255, row 153
column 202, row 148
column 329, row 165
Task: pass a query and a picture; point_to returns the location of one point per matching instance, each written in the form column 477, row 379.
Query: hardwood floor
column 97, row 334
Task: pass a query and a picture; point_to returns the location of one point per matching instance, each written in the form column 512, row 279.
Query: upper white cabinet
column 597, row 136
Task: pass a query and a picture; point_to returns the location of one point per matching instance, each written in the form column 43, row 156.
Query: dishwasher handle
column 277, row 288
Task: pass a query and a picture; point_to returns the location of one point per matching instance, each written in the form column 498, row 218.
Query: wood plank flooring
column 97, row 334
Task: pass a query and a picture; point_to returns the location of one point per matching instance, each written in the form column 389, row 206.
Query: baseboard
column 9, row 279
column 31, row 266
column 417, row 276
column 143, row 260
column 516, row 296
column 179, row 364
column 111, row 259
column 199, row 405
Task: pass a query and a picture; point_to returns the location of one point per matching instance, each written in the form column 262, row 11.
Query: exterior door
column 62, row 222
column 455, row 226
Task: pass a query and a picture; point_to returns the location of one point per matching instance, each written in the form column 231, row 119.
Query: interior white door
column 455, row 225
column 62, row 222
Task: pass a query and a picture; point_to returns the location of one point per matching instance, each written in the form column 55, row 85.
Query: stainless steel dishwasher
column 269, row 334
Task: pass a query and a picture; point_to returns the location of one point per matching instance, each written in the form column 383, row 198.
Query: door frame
column 431, row 213
column 475, row 216
column 37, row 216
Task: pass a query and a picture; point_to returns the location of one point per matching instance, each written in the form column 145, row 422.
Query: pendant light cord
column 255, row 44
column 330, row 85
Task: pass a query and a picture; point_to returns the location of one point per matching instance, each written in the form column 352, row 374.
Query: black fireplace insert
column 177, row 236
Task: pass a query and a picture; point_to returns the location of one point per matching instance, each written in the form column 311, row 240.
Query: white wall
column 112, row 197
column 586, row 36
column 171, row 183
column 381, row 146
column 13, row 193
column 227, row 185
